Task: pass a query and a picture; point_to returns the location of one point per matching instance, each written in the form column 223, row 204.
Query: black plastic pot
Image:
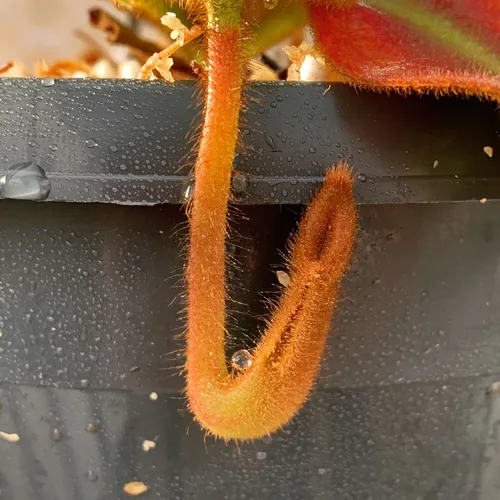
column 91, row 294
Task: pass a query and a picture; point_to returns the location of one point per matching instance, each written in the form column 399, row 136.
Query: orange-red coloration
column 286, row 362
column 480, row 18
column 375, row 49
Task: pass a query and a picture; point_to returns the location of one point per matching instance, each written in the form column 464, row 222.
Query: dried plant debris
column 307, row 66
column 135, row 488
column 118, row 33
column 163, row 56
column 494, row 388
column 488, row 150
column 148, row 445
column 10, row 437
column 179, row 31
column 13, row 69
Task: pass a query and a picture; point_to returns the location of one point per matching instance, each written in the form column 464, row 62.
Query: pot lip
column 124, row 141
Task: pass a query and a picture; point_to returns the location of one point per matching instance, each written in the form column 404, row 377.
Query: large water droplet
column 241, row 360
column 48, row 81
column 91, row 143
column 25, row 181
column 270, row 4
column 283, row 278
column 239, row 183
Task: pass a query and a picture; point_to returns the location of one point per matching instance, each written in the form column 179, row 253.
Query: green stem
column 223, row 14
column 275, row 28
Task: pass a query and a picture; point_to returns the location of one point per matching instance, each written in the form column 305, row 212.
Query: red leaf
column 444, row 46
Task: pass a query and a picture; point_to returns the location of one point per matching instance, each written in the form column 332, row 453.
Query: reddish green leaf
column 445, row 46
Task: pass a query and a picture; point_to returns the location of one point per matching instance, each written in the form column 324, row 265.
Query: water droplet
column 272, row 144
column 241, row 360
column 312, row 150
column 114, row 149
column 93, row 428
column 362, row 177
column 92, row 476
column 56, row 435
column 53, row 147
column 283, row 278
column 25, row 181
column 270, row 4
column 239, row 183
column 48, row 82
column 261, row 455
column 91, row 143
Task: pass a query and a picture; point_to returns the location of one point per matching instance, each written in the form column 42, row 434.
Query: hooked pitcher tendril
column 405, row 45
column 271, row 389
column 274, row 386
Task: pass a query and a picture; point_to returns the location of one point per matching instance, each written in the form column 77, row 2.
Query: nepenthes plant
column 438, row 46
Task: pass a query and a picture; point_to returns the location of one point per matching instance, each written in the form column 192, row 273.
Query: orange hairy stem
column 286, row 361
column 208, row 211
column 284, row 365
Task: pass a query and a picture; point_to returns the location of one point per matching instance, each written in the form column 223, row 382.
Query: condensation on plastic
column 125, row 141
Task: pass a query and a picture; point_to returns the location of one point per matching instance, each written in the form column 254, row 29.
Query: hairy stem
column 286, row 361
column 208, row 211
